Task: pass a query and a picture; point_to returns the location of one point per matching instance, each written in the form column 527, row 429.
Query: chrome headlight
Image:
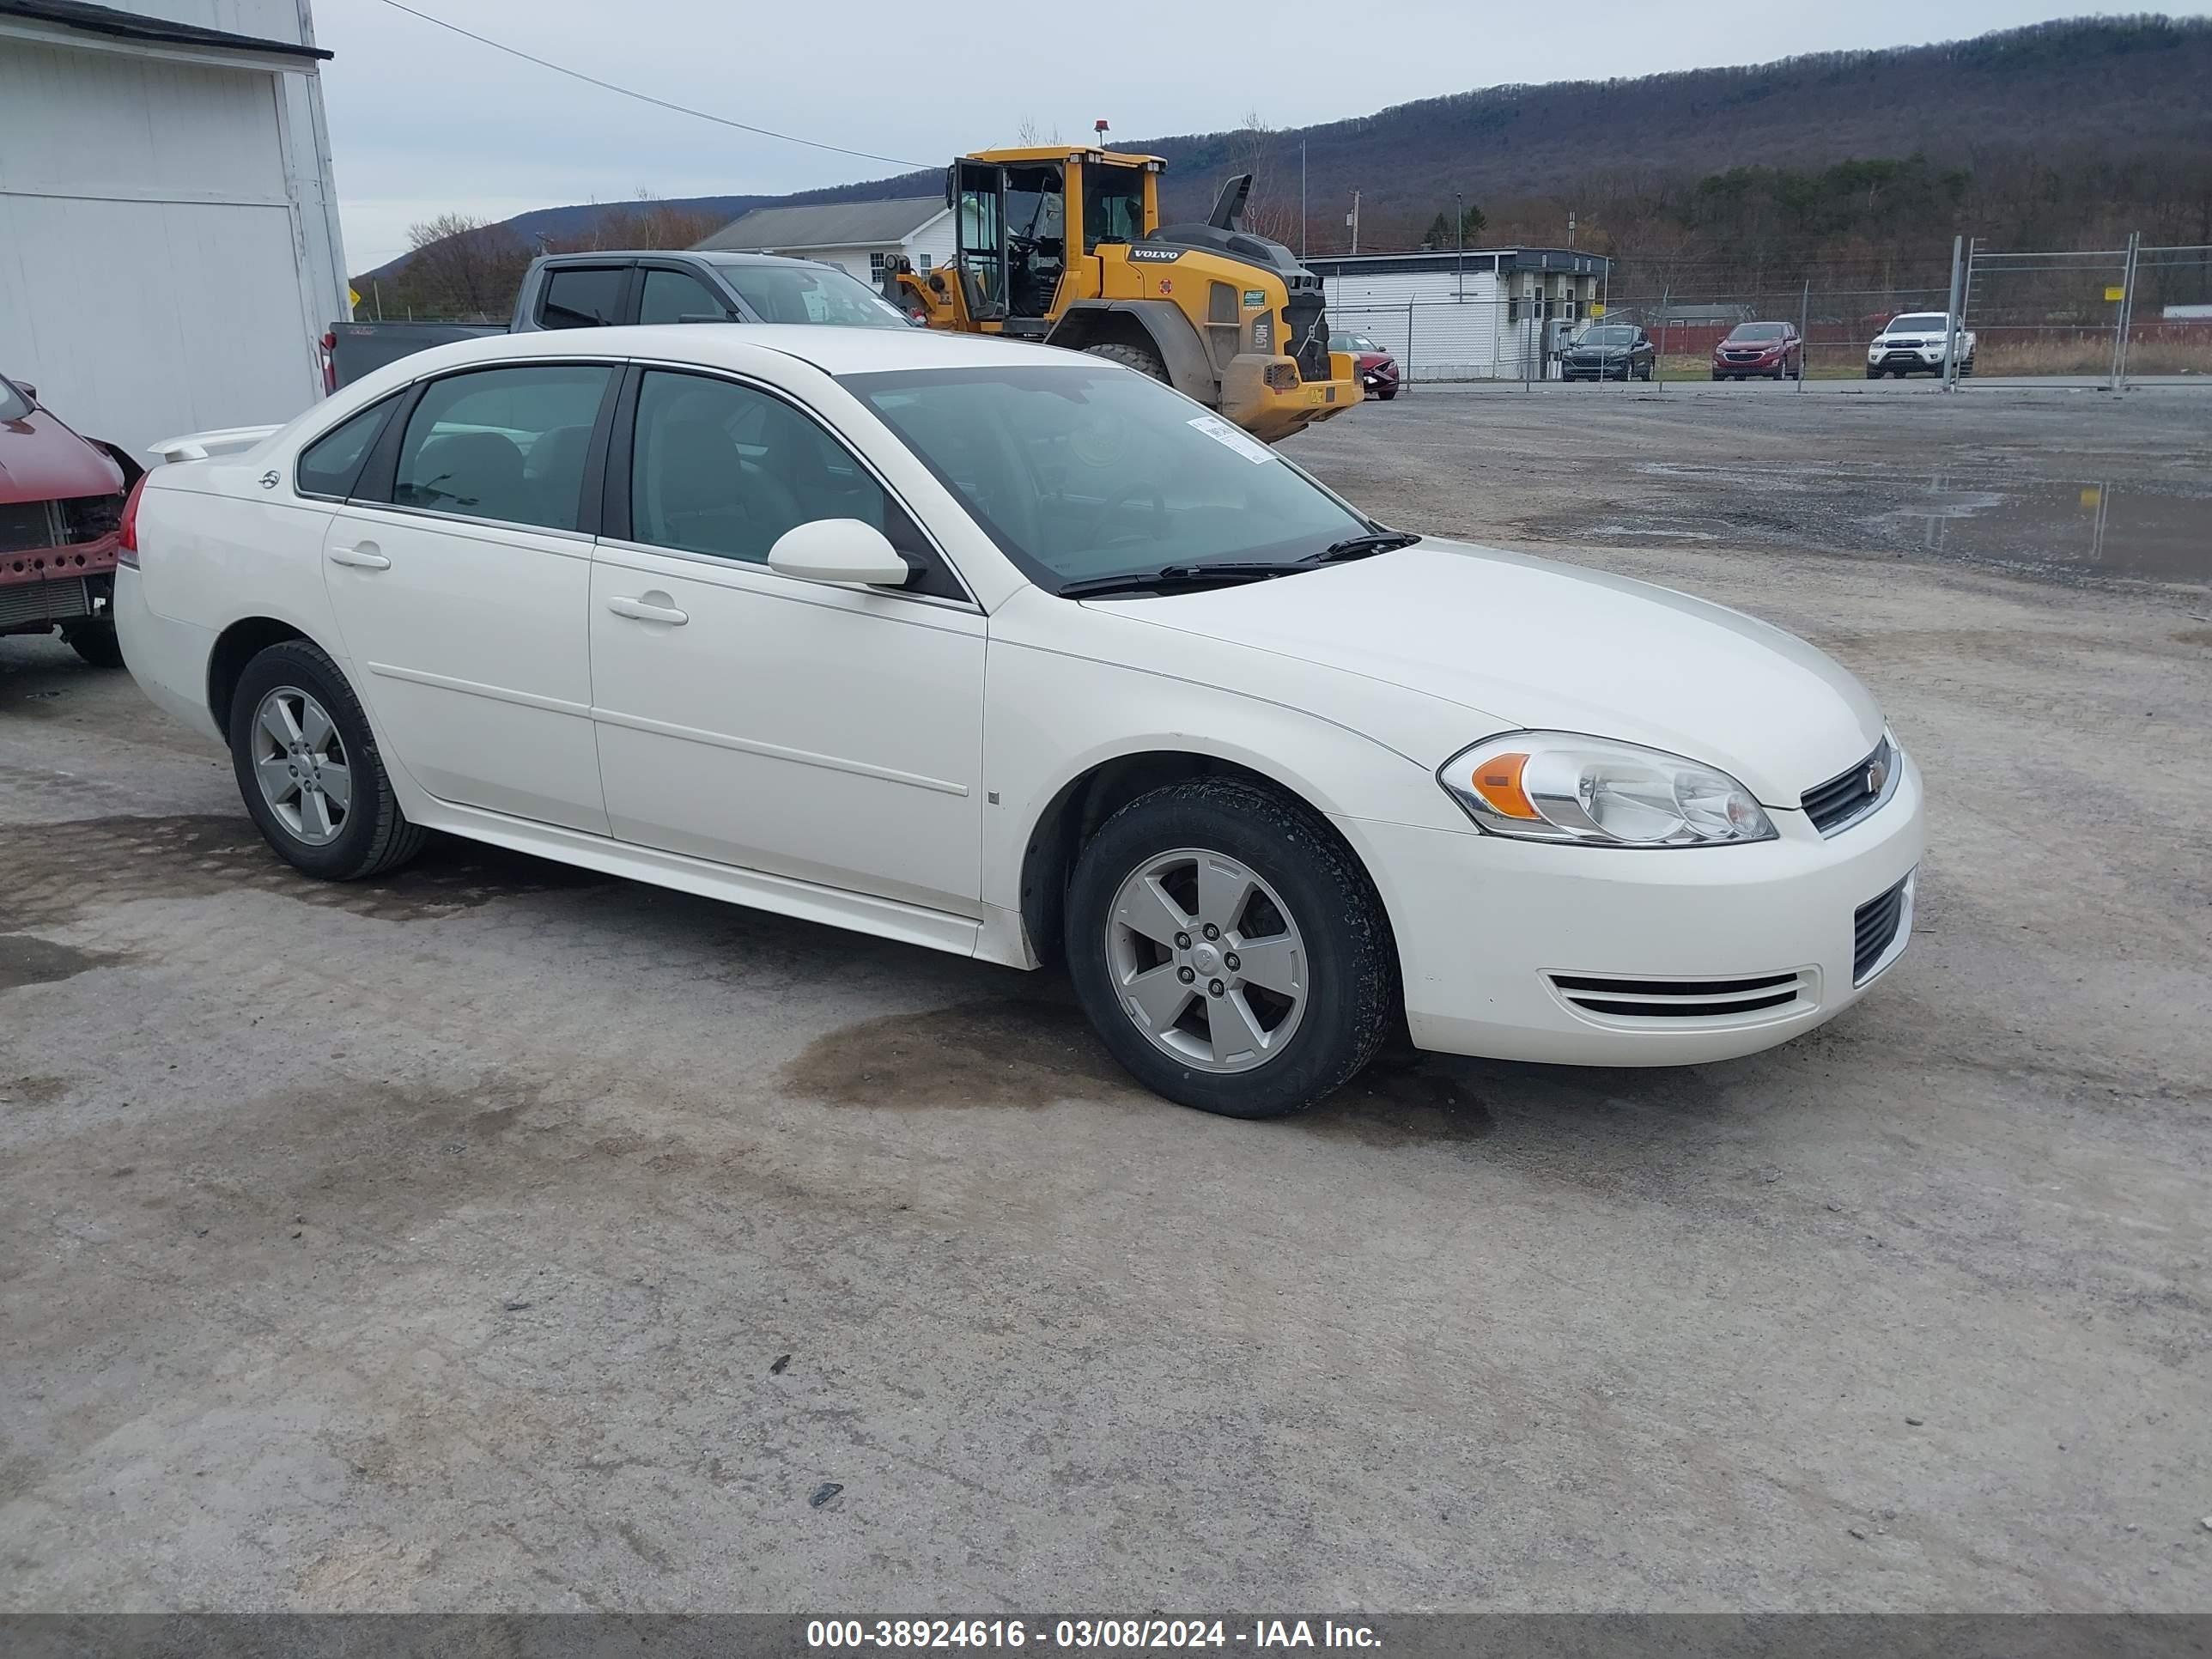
column 1561, row 786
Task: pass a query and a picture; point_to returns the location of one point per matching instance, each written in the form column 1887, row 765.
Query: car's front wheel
column 308, row 770
column 1230, row 950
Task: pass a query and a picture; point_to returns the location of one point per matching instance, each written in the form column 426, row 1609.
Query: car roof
column 829, row 347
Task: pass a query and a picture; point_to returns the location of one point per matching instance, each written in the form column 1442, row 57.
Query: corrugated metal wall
column 169, row 261
column 1439, row 324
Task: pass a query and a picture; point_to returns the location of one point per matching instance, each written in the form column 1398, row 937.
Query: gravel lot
column 440, row 1242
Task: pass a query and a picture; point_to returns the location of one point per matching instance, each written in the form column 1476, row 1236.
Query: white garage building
column 1483, row 314
column 856, row 236
column 169, row 247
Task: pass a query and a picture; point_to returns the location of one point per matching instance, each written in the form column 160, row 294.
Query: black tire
column 1874, row 374
column 96, row 643
column 1644, row 373
column 1136, row 357
column 1386, row 395
column 375, row 836
column 1351, row 961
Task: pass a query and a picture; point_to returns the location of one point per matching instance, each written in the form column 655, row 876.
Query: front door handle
column 641, row 611
column 361, row 556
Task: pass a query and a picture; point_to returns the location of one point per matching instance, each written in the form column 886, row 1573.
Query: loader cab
column 1019, row 214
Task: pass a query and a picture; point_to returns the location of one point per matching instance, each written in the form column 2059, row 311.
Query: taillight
column 126, row 534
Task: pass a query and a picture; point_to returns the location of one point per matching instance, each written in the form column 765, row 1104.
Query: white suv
column 1913, row 345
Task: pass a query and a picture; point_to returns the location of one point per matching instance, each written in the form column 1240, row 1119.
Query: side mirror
column 839, row 550
column 30, row 392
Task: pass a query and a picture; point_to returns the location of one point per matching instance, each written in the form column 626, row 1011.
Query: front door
column 830, row 734
column 462, row 587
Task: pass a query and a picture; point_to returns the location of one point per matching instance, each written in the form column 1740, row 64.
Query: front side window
column 1112, row 204
column 329, row 465
column 509, row 444
column 811, row 293
column 669, row 296
column 582, row 297
column 723, row 469
column 1079, row 472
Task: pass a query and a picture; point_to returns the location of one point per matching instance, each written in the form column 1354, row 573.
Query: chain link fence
column 2131, row 313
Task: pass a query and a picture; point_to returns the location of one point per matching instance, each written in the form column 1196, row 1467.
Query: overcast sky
column 424, row 122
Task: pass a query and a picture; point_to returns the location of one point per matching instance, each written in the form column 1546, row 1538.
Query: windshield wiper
column 1179, row 575
column 1358, row 547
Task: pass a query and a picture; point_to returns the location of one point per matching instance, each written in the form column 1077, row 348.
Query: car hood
column 1524, row 642
column 1374, row 359
column 42, row 461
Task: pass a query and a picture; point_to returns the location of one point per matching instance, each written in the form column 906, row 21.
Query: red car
column 1378, row 369
column 1770, row 350
column 61, row 506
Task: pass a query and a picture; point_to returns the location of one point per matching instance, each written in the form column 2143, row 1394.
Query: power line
column 646, row 97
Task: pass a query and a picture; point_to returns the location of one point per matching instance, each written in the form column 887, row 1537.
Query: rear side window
column 582, row 298
column 669, row 296
column 329, row 465
column 509, row 444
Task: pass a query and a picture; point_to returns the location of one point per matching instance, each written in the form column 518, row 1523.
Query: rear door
column 461, row 575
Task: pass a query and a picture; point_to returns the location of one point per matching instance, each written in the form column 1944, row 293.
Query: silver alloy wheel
column 1207, row 960
column 299, row 762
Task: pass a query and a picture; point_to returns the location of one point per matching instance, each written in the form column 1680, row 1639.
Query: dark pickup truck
column 598, row 290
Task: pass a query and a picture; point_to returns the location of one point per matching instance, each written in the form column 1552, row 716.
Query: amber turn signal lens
column 1497, row 781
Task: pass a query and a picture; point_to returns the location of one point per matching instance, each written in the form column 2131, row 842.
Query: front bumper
column 1614, row 369
column 1484, row 923
column 1913, row 360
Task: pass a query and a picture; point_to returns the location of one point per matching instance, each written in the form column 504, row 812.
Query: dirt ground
column 498, row 1236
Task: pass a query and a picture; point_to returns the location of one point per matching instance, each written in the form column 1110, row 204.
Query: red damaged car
column 61, row 506
column 1378, row 369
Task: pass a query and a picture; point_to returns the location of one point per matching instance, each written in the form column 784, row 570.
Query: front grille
column 1845, row 798
column 1875, row 928
column 88, row 518
column 1679, row 999
column 46, row 601
column 27, row 525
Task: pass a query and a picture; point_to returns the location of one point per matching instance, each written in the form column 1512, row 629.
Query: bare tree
column 1269, row 211
column 462, row 265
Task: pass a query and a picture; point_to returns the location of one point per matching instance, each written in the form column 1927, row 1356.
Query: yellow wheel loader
column 1065, row 246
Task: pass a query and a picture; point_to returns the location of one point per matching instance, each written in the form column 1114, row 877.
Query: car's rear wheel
column 95, row 642
column 1230, row 950
column 308, row 770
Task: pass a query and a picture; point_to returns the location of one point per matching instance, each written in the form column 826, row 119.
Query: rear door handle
column 638, row 610
column 363, row 556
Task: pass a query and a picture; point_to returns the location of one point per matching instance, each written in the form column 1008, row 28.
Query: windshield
column 1607, row 337
column 1079, row 472
column 1760, row 331
column 1931, row 323
column 811, row 293
column 1352, row 343
column 14, row 405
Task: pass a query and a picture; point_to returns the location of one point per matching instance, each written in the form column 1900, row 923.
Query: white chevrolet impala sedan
column 1013, row 653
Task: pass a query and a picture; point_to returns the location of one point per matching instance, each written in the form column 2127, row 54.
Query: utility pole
column 1352, row 219
column 1459, row 278
column 1301, row 198
column 1570, row 229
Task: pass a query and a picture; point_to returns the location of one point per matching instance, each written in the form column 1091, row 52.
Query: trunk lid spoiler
column 203, row 446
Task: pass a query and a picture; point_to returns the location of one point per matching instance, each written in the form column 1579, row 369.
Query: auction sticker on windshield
column 1231, row 437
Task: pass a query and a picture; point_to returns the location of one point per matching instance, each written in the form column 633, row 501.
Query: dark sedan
column 1609, row 351
column 1378, row 369
column 1771, row 350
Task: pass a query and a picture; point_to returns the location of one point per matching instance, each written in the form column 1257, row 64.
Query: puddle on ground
column 2098, row 529
column 52, row 871
column 25, row 960
column 1025, row 1053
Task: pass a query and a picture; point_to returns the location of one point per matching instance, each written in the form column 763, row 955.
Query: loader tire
column 1136, row 357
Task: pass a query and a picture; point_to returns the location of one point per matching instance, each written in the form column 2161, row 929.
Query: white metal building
column 169, row 246
column 1454, row 316
column 857, row 236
